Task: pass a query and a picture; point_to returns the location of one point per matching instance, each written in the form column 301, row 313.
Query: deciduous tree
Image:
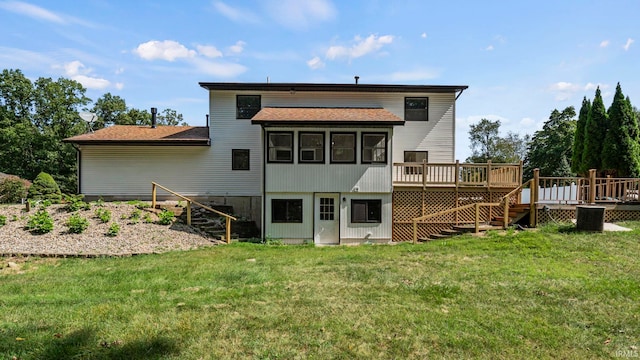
column 487, row 145
column 550, row 149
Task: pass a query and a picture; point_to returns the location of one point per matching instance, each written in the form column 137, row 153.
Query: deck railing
column 228, row 218
column 457, row 174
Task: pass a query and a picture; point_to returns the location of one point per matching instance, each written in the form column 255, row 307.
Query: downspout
column 78, row 170
column 264, row 181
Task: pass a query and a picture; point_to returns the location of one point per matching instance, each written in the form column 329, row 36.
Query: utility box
column 590, row 218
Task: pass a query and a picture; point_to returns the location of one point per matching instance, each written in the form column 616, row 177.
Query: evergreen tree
column 621, row 151
column 594, row 134
column 550, row 148
column 578, row 142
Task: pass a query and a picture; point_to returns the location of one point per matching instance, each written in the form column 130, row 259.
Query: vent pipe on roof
column 357, row 78
column 154, row 111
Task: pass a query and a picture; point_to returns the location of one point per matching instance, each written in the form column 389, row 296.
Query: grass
column 549, row 294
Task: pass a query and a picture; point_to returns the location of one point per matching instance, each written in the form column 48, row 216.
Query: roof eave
column 326, row 122
column 332, row 87
column 190, row 142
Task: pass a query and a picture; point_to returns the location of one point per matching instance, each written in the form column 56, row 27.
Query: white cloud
column 76, row 70
column 236, row 14
column 119, row 85
column 489, row 48
column 315, row 63
column 32, row 11
column 592, row 86
column 209, row 51
column 238, row 47
column 300, row 14
column 168, row 50
column 361, row 47
column 627, row 45
column 527, row 122
column 424, row 35
column 604, row 43
column 565, row 86
column 226, row 70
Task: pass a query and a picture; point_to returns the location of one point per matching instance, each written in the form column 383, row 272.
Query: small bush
column 139, row 204
column 147, row 218
column 3, row 220
column 45, row 188
column 13, row 189
column 77, row 224
column 40, row 223
column 135, row 216
column 99, row 202
column 75, row 203
column 103, row 214
column 114, row 229
column 166, row 217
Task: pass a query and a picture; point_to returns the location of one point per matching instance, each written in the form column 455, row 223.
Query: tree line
column 36, row 115
column 607, row 140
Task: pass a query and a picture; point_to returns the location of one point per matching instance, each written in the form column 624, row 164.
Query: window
column 343, row 148
column 374, row 148
column 286, row 210
column 416, row 109
column 311, row 148
column 415, row 157
column 366, row 211
column 326, row 209
column 280, row 147
column 240, row 159
column 247, row 106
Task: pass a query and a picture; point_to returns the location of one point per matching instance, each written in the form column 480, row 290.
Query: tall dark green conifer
column 621, row 151
column 594, row 134
column 578, row 141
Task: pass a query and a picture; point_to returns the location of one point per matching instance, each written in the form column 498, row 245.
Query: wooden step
column 471, row 227
column 450, row 232
column 438, row 236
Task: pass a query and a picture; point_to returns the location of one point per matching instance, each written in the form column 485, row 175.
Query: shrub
column 103, row 214
column 114, row 229
column 3, row 220
column 45, row 188
column 75, row 203
column 77, row 224
column 13, row 189
column 135, row 215
column 165, row 217
column 40, row 223
column 147, row 218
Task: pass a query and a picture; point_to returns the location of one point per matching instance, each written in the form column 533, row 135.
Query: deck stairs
column 517, row 213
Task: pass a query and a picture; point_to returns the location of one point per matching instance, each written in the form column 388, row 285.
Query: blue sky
column 520, row 59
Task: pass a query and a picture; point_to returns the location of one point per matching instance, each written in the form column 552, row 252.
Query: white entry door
column 326, row 224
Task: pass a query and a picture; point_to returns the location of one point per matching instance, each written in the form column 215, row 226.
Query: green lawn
column 546, row 294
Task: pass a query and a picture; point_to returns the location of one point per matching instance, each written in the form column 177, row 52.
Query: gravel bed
column 134, row 237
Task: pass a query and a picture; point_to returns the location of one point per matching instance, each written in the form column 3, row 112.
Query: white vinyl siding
column 129, row 170
column 229, row 133
column 361, row 232
column 301, row 177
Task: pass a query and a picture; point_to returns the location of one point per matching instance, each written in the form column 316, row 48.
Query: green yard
column 546, row 294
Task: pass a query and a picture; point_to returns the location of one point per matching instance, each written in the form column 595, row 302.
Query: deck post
column 153, row 195
column 505, row 220
column 456, row 174
column 228, row 230
column 488, row 174
column 189, row 213
column 415, row 232
column 519, row 199
column 477, row 224
column 533, row 194
column 592, row 186
column 424, row 174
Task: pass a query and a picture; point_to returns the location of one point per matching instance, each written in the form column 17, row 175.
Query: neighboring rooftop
column 325, row 115
column 332, row 87
column 144, row 135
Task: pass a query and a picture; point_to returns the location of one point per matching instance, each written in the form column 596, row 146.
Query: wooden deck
column 457, row 175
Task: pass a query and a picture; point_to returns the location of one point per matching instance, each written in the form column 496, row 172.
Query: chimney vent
column 357, row 78
column 154, row 111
